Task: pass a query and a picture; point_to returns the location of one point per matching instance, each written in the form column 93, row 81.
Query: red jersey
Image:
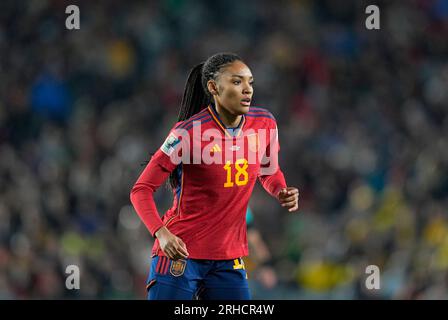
column 217, row 170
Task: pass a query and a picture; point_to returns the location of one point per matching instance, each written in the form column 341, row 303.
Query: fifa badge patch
column 169, row 144
column 253, row 142
column 178, row 267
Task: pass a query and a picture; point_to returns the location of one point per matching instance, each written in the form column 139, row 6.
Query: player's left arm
column 275, row 184
column 272, row 178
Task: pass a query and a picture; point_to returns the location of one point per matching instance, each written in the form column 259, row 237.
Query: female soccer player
column 209, row 159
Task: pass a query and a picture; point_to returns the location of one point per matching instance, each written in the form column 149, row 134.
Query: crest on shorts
column 253, row 142
column 178, row 267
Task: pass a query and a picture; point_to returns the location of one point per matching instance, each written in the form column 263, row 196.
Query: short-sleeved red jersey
column 217, row 170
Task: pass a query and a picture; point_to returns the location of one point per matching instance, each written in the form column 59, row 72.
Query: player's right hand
column 172, row 246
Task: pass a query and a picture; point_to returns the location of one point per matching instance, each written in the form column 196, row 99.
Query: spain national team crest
column 178, row 267
column 253, row 142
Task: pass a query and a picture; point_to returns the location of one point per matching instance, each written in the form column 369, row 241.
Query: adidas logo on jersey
column 216, row 148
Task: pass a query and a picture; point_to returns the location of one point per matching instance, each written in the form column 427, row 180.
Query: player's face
column 234, row 88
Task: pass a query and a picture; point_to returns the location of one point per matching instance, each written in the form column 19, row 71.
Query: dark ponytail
column 196, row 95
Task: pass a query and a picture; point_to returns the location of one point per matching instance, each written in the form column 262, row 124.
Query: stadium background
column 363, row 127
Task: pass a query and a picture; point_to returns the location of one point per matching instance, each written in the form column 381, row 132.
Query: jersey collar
column 217, row 119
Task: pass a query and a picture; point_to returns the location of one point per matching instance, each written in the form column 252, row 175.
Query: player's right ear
column 212, row 87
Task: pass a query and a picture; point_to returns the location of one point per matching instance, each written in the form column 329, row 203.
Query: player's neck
column 228, row 119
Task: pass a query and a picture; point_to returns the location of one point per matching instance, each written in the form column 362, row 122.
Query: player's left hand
column 289, row 198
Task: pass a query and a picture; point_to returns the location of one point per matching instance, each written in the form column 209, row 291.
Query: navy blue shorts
column 193, row 279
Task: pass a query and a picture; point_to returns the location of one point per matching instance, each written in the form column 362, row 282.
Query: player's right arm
column 153, row 176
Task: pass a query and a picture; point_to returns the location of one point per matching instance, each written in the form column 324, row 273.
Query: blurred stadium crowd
column 363, row 129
